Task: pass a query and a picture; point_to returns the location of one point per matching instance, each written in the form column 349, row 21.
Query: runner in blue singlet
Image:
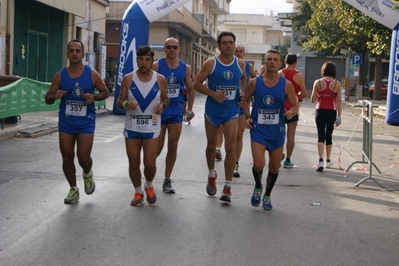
column 226, row 82
column 75, row 85
column 266, row 122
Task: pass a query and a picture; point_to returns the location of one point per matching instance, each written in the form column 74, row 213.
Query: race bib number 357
column 76, row 108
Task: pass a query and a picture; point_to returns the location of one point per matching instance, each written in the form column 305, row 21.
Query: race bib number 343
column 268, row 117
column 76, row 108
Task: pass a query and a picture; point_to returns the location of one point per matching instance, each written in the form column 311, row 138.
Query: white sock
column 212, row 173
column 147, row 184
column 227, row 183
column 138, row 190
column 75, row 188
column 86, row 175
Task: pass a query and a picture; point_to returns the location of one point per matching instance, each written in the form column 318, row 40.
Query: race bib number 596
column 144, row 122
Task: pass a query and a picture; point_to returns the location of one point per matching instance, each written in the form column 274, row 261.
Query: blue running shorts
column 220, row 119
column 172, row 119
column 77, row 126
column 139, row 135
column 270, row 145
column 295, row 118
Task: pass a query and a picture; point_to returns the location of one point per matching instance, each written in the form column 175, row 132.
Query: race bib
column 268, row 117
column 144, row 123
column 75, row 108
column 173, row 90
column 228, row 91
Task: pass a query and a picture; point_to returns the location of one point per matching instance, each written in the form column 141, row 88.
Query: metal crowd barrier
column 367, row 153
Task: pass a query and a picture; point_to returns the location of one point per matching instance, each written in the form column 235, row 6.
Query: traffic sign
column 357, row 59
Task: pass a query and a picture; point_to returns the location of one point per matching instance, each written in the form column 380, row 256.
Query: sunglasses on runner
column 175, row 47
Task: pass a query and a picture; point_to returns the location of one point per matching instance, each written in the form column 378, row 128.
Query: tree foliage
column 333, row 26
column 283, row 47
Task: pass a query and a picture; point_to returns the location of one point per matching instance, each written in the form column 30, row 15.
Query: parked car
column 384, row 88
column 367, row 86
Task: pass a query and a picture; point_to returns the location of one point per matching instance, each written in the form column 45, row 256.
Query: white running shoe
column 320, row 167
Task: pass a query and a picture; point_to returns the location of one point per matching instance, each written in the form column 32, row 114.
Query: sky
column 259, row 6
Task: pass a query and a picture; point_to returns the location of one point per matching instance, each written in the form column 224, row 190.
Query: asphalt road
column 317, row 219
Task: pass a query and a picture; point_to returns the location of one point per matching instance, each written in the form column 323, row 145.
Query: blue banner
column 135, row 29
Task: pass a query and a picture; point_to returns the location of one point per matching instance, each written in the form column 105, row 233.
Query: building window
column 78, row 33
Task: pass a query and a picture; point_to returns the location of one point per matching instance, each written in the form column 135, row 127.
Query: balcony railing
column 219, row 7
column 184, row 20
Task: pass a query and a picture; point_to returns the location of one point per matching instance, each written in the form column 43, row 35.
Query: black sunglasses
column 175, row 47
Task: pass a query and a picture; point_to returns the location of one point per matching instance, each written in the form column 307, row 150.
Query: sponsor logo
column 268, row 100
column 228, row 75
column 171, row 80
column 125, row 52
column 166, row 4
column 395, row 78
column 77, row 92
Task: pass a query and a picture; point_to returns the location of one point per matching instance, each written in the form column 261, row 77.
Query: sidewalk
column 41, row 123
column 379, row 109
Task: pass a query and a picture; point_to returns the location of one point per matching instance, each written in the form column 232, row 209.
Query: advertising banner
column 27, row 96
column 380, row 10
column 24, row 96
column 135, row 29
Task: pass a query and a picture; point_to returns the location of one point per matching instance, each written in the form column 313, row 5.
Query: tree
column 283, row 47
column 332, row 27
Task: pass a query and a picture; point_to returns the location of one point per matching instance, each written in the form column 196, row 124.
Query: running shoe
column 211, row 186
column 320, row 167
column 137, row 200
column 267, row 203
column 185, row 121
column 167, row 186
column 151, row 197
column 329, row 164
column 226, row 194
column 218, row 155
column 256, row 196
column 73, row 196
column 288, row 164
column 90, row 186
column 236, row 173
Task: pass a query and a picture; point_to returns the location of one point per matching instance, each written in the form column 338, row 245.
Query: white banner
column 380, row 10
column 155, row 9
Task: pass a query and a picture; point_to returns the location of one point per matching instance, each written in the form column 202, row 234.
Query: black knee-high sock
column 271, row 180
column 257, row 177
